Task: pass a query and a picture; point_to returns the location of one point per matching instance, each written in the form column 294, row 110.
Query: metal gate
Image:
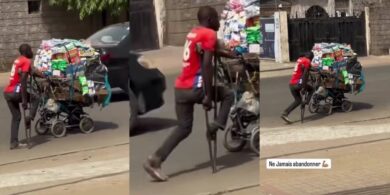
column 268, row 32
column 303, row 33
column 143, row 26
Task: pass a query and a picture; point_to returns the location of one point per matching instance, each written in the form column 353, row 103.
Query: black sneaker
column 153, row 167
column 286, row 119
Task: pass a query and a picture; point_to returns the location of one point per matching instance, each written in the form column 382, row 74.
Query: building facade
column 31, row 21
column 379, row 28
column 181, row 16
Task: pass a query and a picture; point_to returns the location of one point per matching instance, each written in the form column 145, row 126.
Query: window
column 34, row 6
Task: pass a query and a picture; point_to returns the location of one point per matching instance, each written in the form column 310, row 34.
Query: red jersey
column 191, row 75
column 21, row 64
column 298, row 71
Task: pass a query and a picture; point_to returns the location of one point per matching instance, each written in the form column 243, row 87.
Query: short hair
column 205, row 12
column 24, row 49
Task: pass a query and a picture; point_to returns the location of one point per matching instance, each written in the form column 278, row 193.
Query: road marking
column 66, row 172
column 283, row 135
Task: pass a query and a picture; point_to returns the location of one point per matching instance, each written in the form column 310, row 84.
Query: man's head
column 26, row 51
column 208, row 17
column 309, row 55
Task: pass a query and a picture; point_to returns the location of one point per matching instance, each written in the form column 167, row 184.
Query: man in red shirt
column 16, row 92
column 298, row 82
column 189, row 90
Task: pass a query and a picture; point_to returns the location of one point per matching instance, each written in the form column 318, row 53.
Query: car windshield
column 111, row 35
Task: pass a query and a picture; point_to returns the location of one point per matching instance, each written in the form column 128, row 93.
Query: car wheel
column 133, row 111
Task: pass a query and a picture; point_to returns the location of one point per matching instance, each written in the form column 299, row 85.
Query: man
column 298, row 83
column 16, row 93
column 194, row 85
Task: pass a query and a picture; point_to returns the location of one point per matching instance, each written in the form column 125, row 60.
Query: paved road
column 372, row 103
column 111, row 125
column 188, row 165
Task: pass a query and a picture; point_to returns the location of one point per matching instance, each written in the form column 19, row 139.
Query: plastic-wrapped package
column 247, row 3
column 252, row 11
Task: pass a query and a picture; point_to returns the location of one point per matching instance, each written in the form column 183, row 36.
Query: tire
column 255, row 140
column 86, row 125
column 58, row 129
column 240, row 143
column 346, row 106
column 40, row 127
column 133, row 111
column 312, row 107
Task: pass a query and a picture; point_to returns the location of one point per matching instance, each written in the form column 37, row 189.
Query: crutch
column 212, row 139
column 27, row 128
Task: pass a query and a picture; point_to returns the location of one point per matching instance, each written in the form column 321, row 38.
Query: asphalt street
column 372, row 104
column 188, row 165
column 111, row 128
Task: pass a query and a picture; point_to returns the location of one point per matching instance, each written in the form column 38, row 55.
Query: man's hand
column 207, row 105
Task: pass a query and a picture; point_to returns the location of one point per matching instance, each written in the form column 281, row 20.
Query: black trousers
column 13, row 102
column 185, row 101
column 296, row 93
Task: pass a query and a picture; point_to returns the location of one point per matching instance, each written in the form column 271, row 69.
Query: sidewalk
column 359, row 166
column 267, row 65
column 99, row 172
column 168, row 60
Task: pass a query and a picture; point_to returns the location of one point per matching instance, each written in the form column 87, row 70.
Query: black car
column 128, row 71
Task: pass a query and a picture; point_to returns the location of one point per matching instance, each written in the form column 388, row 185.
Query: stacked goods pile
column 339, row 61
column 241, row 26
column 75, row 69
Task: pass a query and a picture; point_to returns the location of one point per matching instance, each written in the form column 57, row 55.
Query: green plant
column 89, row 7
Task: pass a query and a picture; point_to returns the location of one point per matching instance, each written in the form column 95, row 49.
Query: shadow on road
column 151, row 124
column 357, row 106
column 99, row 126
column 229, row 160
column 39, row 139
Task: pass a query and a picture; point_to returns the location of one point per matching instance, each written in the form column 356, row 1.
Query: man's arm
column 36, row 72
column 207, row 72
column 305, row 77
column 223, row 52
column 226, row 54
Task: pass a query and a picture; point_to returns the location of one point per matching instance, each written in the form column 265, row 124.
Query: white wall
column 160, row 20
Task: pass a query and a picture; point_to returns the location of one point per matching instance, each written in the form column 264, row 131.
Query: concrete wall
column 380, row 29
column 181, row 17
column 17, row 26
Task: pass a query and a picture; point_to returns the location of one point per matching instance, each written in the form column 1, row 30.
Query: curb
column 277, row 69
column 230, row 190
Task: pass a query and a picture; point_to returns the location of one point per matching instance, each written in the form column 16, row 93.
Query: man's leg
column 13, row 105
column 295, row 91
column 226, row 97
column 34, row 107
column 184, row 111
column 185, row 117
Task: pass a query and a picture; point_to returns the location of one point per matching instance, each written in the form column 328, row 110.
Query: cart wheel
column 40, row 127
column 255, row 140
column 233, row 142
column 330, row 109
column 86, row 125
column 58, row 129
column 346, row 106
column 313, row 108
